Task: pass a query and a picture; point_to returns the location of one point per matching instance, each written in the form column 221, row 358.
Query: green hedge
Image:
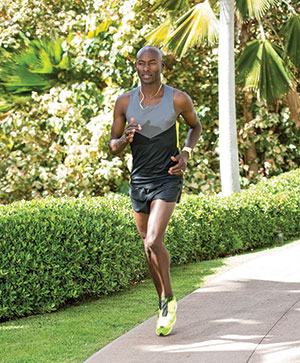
column 205, row 228
column 57, row 250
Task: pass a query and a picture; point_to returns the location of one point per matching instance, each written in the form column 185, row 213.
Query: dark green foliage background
column 55, row 143
column 54, row 251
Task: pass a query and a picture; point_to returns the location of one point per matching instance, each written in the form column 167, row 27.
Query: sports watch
column 189, row 150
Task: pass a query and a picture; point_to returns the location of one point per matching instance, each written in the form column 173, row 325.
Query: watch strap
column 189, row 150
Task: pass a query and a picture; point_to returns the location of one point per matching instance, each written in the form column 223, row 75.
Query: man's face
column 149, row 66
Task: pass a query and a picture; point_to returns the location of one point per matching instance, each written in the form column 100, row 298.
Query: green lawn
column 76, row 332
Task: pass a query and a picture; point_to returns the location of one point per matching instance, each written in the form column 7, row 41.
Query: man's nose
column 146, row 67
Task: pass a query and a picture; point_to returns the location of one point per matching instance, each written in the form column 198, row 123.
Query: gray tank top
column 153, row 146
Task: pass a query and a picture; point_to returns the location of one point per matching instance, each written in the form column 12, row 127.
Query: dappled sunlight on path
column 249, row 314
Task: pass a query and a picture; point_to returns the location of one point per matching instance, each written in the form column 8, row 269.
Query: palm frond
column 14, row 72
column 199, row 24
column 33, row 68
column 20, row 80
column 55, row 50
column 159, row 35
column 262, row 68
column 171, row 5
column 8, row 102
column 43, row 63
column 292, row 37
column 64, row 63
column 48, row 53
column 253, row 8
column 248, row 64
column 5, row 105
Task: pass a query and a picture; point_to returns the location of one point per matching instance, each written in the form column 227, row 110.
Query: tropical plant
column 34, row 68
column 262, row 61
column 55, row 142
column 266, row 71
column 265, row 67
column 78, row 48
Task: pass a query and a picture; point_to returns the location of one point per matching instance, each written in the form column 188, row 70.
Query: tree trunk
column 251, row 153
column 294, row 105
column 229, row 165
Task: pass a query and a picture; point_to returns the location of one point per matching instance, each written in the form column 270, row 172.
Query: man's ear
column 135, row 66
column 163, row 65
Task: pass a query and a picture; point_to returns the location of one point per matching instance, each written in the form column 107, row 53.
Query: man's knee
column 153, row 243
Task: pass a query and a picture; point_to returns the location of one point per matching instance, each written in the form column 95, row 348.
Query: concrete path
column 247, row 314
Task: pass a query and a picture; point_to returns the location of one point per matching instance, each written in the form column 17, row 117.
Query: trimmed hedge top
column 53, row 250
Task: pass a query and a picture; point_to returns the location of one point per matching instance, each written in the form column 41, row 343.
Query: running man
column 145, row 118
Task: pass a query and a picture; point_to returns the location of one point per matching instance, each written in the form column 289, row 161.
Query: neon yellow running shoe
column 167, row 316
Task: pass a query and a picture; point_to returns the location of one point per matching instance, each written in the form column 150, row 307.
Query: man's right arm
column 118, row 139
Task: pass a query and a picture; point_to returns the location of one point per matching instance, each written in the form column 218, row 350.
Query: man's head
column 149, row 48
column 149, row 64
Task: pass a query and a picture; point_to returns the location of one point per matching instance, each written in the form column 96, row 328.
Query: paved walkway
column 247, row 314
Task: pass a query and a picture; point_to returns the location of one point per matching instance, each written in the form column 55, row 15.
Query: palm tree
column 40, row 65
column 34, row 68
column 262, row 67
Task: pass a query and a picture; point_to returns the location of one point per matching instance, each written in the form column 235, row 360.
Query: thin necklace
column 143, row 96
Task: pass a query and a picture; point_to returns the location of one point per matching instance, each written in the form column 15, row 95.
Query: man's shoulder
column 123, row 100
column 180, row 96
column 126, row 96
column 179, row 93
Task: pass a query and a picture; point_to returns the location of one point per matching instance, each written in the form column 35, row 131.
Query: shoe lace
column 164, row 306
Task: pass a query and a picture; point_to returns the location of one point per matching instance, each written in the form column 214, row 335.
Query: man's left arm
column 184, row 106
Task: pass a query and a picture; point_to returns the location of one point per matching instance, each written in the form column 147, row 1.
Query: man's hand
column 179, row 168
column 118, row 143
column 131, row 129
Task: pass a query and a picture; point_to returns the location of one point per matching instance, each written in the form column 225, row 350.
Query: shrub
column 53, row 148
column 57, row 250
column 208, row 227
column 53, row 250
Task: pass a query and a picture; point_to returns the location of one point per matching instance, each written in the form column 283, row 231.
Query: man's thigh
column 159, row 217
column 141, row 221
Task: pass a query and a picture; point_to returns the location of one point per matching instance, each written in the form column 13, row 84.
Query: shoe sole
column 162, row 332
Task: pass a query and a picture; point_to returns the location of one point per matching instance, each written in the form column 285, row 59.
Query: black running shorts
column 142, row 195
